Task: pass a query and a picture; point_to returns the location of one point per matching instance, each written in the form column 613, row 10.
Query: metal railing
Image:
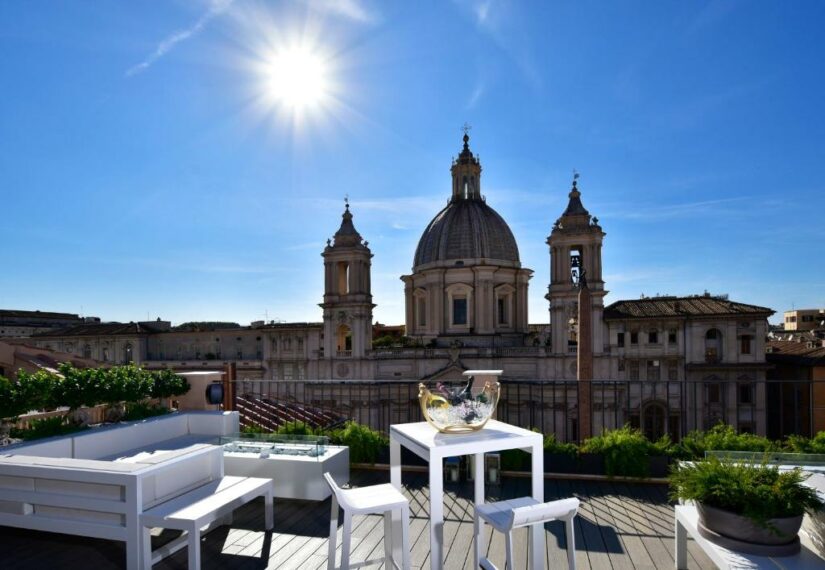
column 774, row 408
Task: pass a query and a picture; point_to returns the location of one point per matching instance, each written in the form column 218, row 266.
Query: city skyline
column 151, row 169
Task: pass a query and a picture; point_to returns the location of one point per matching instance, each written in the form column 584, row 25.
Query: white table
column 686, row 523
column 423, row 440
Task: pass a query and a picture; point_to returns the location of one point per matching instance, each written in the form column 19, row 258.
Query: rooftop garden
column 129, row 392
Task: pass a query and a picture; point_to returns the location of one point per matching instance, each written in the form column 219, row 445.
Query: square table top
column 494, row 436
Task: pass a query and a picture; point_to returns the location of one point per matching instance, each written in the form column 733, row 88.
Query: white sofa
column 97, row 483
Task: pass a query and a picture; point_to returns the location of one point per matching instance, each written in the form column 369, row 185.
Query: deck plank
column 622, row 526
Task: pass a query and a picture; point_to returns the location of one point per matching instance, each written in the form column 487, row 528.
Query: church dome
column 467, row 229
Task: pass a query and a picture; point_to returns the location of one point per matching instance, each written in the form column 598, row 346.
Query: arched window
column 344, row 338
column 343, row 278
column 504, row 305
column 459, row 303
column 713, row 345
column 420, row 309
column 654, row 416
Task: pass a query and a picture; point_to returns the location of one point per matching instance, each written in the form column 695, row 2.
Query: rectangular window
column 746, row 344
column 634, row 371
column 671, row 337
column 653, row 370
column 459, row 311
column 634, row 338
column 620, row 339
column 288, row 371
column 672, row 372
column 653, row 337
column 502, row 311
column 714, row 393
column 746, row 393
column 239, row 354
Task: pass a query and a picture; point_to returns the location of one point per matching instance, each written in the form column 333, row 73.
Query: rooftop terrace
column 620, row 526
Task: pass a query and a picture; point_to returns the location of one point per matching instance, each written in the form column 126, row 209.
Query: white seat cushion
column 371, row 499
column 505, row 515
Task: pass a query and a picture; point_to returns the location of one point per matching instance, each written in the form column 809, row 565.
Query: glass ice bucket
column 458, row 408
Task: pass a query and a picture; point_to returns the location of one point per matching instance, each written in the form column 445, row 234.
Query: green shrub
column 553, row 445
column 799, row 444
column 722, row 437
column 167, row 384
column 47, row 427
column 514, row 460
column 142, row 410
column 364, row 443
column 625, row 450
column 757, row 491
column 254, row 428
column 78, row 387
column 36, row 389
column 297, row 427
column 13, row 401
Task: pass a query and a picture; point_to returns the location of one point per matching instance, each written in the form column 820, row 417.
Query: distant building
column 804, row 319
column 15, row 356
column 796, row 387
column 21, row 324
column 683, row 362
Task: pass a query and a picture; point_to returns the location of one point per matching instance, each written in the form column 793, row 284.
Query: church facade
column 466, row 302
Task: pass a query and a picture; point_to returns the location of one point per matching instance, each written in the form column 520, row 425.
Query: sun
column 296, row 78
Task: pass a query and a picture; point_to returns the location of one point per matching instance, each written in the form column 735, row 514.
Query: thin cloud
column 475, row 96
column 351, row 9
column 216, row 8
column 683, row 210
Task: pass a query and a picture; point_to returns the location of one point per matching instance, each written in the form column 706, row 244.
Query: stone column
column 584, row 363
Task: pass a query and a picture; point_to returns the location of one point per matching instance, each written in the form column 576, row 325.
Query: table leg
column 269, row 509
column 478, row 480
column 436, row 513
column 681, row 546
column 395, row 464
column 395, row 479
column 537, row 550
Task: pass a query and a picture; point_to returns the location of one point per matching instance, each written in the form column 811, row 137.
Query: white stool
column 375, row 499
column 505, row 516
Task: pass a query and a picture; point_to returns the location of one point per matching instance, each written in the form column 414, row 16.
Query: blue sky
column 145, row 170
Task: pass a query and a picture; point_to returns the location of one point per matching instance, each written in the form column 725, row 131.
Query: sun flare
column 297, row 78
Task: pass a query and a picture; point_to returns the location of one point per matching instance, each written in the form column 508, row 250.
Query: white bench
column 197, row 509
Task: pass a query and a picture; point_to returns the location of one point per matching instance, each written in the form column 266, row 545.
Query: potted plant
column 559, row 457
column 749, row 507
column 11, row 405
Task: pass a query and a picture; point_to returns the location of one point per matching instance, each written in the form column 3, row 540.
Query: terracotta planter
column 780, row 537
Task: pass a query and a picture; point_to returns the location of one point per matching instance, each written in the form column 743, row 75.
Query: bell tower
column 575, row 255
column 347, row 293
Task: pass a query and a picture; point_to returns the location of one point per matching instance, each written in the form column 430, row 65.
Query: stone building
column 680, row 362
column 22, row 324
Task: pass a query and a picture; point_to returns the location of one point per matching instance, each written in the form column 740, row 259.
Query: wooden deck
column 620, row 526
